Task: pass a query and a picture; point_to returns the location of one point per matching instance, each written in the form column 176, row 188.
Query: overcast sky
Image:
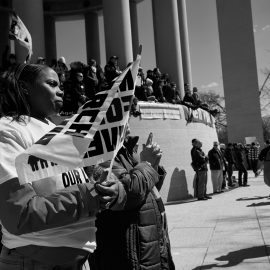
column 203, row 38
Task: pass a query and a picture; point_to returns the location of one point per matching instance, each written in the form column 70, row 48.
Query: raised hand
column 151, row 152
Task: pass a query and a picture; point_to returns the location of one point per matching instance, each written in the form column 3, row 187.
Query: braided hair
column 13, row 100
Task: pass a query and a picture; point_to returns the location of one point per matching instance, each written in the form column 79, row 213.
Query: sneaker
column 202, row 199
column 208, row 197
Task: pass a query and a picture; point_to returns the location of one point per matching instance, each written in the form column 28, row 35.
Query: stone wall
column 174, row 137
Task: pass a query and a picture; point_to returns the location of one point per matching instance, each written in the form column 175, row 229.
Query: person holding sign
column 47, row 224
column 136, row 237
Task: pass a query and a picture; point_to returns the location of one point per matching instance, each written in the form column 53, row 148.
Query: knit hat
column 62, row 60
column 222, row 146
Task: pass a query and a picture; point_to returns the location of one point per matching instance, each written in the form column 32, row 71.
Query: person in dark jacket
column 199, row 164
column 241, row 163
column 136, row 238
column 230, row 157
column 216, row 166
column 90, row 79
column 112, row 70
column 158, row 91
column 264, row 151
column 264, row 162
column 222, row 148
column 189, row 101
column 74, row 94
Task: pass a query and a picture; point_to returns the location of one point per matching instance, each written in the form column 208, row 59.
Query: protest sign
column 18, row 31
column 93, row 135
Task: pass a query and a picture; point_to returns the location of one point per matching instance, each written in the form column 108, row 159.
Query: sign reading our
column 93, row 135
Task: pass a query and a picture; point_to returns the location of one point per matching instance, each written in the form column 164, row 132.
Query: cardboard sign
column 93, row 135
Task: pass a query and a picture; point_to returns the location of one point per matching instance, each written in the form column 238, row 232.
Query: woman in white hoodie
column 47, row 224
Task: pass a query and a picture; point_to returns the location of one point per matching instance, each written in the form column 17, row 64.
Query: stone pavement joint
column 230, row 231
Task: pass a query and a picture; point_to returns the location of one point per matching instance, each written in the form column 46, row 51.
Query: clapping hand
column 151, row 152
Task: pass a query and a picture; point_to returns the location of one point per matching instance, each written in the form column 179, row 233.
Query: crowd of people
column 223, row 160
column 114, row 221
column 107, row 222
column 81, row 81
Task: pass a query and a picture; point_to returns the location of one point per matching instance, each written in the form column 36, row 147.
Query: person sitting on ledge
column 149, row 90
column 189, row 100
column 196, row 97
column 158, row 91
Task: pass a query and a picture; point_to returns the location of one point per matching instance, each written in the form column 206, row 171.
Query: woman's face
column 44, row 95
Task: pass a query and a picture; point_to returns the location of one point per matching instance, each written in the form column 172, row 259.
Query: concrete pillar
column 118, row 30
column 167, row 40
column 183, row 25
column 4, row 29
column 134, row 26
column 92, row 36
column 50, row 38
column 31, row 13
column 239, row 69
column 143, row 32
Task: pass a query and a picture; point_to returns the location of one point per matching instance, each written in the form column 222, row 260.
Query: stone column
column 118, row 30
column 134, row 26
column 92, row 36
column 50, row 38
column 31, row 13
column 167, row 40
column 183, row 25
column 239, row 70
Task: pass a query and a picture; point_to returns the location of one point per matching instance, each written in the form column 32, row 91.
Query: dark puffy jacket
column 136, row 238
column 240, row 156
column 263, row 153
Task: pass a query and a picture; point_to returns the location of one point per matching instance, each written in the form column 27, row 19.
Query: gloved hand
column 108, row 189
column 151, row 152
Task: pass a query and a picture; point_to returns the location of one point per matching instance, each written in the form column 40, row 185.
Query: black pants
column 253, row 165
column 201, row 184
column 242, row 170
column 230, row 173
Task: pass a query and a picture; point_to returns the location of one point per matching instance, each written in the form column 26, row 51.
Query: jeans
column 202, row 182
column 254, row 164
column 242, row 171
column 10, row 259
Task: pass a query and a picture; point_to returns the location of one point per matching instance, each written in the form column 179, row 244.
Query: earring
column 23, row 86
column 25, row 91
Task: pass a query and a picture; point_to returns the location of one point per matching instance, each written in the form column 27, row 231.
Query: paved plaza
column 232, row 230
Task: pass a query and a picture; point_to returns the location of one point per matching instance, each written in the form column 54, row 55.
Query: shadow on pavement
column 258, row 204
column 236, row 257
column 252, row 198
